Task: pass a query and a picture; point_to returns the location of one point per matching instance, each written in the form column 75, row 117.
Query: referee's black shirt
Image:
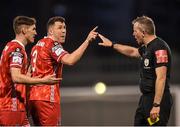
column 156, row 54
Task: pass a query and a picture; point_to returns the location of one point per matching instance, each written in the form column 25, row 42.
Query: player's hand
column 154, row 113
column 92, row 34
column 51, row 79
column 105, row 41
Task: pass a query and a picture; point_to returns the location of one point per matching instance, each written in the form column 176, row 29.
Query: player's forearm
column 77, row 54
column 159, row 90
column 21, row 78
column 126, row 50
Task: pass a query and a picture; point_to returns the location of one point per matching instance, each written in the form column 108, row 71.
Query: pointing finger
column 95, row 28
column 101, row 36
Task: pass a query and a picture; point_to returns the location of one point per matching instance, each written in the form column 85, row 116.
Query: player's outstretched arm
column 17, row 77
column 72, row 58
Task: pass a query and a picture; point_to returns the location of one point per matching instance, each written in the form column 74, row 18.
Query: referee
column 155, row 102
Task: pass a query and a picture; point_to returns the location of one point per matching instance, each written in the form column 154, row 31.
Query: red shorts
column 13, row 118
column 45, row 113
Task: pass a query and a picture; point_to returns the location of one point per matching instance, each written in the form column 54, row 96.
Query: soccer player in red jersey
column 48, row 57
column 13, row 70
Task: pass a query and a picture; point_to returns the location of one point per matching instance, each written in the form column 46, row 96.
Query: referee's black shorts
column 145, row 106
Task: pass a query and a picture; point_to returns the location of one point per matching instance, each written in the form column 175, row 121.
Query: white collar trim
column 19, row 42
column 48, row 37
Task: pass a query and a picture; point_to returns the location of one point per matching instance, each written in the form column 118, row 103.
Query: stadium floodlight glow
column 100, row 88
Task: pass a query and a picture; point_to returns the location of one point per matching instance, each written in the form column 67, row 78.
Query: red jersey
column 12, row 96
column 45, row 60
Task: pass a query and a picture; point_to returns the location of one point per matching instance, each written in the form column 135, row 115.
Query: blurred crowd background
column 114, row 20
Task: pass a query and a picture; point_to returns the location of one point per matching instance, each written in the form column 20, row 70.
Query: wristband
column 112, row 46
column 156, row 105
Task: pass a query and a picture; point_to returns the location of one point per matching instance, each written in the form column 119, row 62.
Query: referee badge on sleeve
column 161, row 56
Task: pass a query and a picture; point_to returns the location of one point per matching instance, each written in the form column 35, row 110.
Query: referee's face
column 138, row 34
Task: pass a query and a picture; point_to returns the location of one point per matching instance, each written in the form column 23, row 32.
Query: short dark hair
column 147, row 24
column 52, row 20
column 22, row 20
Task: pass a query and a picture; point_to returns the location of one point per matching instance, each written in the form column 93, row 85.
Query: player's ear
column 50, row 31
column 23, row 30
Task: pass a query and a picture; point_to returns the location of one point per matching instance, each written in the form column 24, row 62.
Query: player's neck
column 21, row 39
column 52, row 37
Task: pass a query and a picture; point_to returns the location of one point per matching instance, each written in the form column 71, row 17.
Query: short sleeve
column 16, row 58
column 161, row 56
column 57, row 51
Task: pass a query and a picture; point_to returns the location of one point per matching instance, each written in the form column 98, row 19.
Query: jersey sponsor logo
column 17, row 56
column 161, row 56
column 59, row 51
column 17, row 59
column 17, row 53
column 56, row 47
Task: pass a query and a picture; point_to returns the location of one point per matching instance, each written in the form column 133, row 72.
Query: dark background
column 114, row 20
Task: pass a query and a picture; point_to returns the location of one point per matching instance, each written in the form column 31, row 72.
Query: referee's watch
column 112, row 46
column 156, row 105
